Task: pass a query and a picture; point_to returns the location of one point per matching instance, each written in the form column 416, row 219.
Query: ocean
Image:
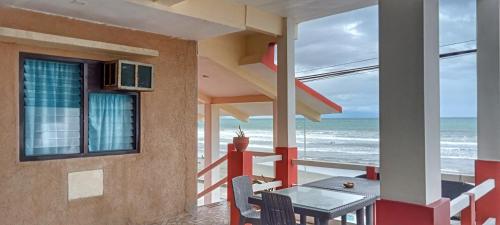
column 353, row 140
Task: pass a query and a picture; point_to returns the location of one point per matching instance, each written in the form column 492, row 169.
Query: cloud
column 352, row 29
column 353, row 36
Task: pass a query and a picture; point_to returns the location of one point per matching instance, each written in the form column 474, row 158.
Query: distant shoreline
column 340, row 118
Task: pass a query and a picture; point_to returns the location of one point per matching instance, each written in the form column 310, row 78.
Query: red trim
column 401, row 213
column 285, row 170
column 488, row 206
column 268, row 60
column 318, row 96
column 213, row 165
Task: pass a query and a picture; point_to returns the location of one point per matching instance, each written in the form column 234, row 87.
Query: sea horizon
column 353, row 140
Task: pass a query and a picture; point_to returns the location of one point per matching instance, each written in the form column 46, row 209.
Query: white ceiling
column 216, row 81
column 303, row 10
column 141, row 17
column 125, row 14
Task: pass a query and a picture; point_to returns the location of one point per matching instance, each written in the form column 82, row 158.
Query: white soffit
column 216, row 81
column 126, row 14
column 304, row 10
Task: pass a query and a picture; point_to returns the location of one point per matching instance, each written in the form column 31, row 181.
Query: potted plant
column 240, row 141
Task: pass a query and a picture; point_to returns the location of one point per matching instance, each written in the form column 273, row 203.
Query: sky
column 335, row 42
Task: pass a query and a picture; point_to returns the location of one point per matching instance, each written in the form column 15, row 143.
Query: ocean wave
column 458, row 157
column 458, row 143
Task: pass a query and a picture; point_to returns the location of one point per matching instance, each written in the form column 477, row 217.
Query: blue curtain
column 111, row 122
column 52, row 93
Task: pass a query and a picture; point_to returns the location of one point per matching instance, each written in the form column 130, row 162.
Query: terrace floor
column 212, row 214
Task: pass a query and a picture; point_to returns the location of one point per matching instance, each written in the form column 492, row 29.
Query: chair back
column 242, row 190
column 277, row 209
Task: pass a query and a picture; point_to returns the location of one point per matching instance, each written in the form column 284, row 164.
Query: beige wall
column 138, row 189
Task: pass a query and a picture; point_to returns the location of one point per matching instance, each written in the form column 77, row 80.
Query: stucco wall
column 138, row 189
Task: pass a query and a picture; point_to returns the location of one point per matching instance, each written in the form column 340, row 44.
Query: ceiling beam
column 308, row 113
column 241, row 99
column 232, row 14
column 168, row 2
column 234, row 112
column 204, row 99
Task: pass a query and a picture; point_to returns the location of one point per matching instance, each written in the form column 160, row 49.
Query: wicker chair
column 277, row 209
column 242, row 189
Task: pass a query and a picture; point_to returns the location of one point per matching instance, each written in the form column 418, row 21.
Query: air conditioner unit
column 128, row 75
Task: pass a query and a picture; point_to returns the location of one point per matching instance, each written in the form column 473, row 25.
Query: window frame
column 85, row 91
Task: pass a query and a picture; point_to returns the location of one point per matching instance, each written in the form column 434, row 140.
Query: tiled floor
column 213, row 214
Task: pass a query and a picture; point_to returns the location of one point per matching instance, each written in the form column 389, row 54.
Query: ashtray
column 349, row 185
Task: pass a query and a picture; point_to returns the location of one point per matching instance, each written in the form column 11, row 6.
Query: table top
column 319, row 198
column 318, row 202
column 361, row 185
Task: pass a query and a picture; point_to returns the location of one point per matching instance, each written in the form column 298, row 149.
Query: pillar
column 238, row 164
column 285, row 105
column 488, row 79
column 409, row 114
column 488, row 106
column 211, row 150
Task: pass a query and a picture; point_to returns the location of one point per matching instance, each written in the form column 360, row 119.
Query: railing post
column 286, row 171
column 488, row 206
column 371, row 173
column 238, row 164
column 468, row 215
column 399, row 213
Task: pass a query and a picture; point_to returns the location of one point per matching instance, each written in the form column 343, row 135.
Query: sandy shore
column 306, row 175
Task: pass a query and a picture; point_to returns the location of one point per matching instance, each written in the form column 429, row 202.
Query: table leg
column 360, row 217
column 303, row 219
column 321, row 221
column 369, row 215
column 344, row 220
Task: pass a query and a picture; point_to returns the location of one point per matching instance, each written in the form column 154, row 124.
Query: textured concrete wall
column 138, row 189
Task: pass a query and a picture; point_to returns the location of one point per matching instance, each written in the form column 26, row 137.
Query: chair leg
column 303, row 219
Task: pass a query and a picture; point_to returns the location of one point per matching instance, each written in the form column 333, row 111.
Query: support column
column 212, row 150
column 488, row 79
column 410, row 166
column 238, row 164
column 285, row 105
column 488, row 106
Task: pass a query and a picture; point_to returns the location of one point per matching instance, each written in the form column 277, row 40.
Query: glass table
column 322, row 204
column 362, row 186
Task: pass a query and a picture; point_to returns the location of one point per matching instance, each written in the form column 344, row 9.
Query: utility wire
column 374, row 58
column 338, row 73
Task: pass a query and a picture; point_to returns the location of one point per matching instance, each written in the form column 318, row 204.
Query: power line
column 374, row 58
column 337, row 65
column 332, row 74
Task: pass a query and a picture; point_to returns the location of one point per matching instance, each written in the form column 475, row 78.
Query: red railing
column 260, row 157
column 213, row 187
column 213, row 165
column 206, row 170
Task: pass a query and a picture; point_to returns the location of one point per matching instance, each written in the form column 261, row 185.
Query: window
column 58, row 95
column 111, row 122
